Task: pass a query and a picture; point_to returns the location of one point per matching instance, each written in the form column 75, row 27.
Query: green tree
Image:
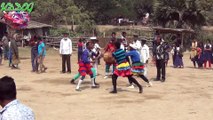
column 179, row 14
column 47, row 11
column 57, row 12
column 99, row 10
column 206, row 7
column 143, row 6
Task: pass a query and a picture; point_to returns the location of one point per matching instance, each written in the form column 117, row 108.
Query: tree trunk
column 72, row 27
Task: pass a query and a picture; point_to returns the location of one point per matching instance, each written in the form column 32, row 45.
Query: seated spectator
column 12, row 109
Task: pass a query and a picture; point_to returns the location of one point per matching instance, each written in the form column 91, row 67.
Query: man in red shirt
column 110, row 48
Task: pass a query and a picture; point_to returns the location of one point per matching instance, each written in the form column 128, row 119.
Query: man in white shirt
column 137, row 43
column 12, row 109
column 66, row 52
column 124, row 41
column 144, row 55
column 96, row 54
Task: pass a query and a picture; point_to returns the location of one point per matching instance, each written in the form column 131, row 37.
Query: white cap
column 133, row 46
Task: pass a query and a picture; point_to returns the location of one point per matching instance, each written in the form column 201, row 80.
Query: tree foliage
column 58, row 12
column 175, row 13
column 180, row 13
column 143, row 6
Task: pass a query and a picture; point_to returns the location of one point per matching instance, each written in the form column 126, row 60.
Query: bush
column 204, row 36
column 87, row 27
column 59, row 31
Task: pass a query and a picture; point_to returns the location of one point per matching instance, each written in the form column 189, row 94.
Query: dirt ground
column 187, row 93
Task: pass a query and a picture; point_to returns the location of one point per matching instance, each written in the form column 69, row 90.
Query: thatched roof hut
column 32, row 29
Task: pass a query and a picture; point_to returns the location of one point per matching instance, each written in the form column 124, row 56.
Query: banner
column 26, row 7
column 17, row 15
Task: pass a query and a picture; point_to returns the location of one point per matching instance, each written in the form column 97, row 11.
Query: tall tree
column 143, row 6
column 206, row 7
column 98, row 9
column 179, row 14
column 58, row 12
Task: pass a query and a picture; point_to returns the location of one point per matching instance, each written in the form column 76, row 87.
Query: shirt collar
column 14, row 102
column 66, row 38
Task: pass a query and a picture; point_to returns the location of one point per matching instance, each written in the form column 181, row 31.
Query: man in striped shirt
column 122, row 68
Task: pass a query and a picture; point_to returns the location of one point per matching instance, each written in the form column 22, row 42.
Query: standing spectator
column 199, row 55
column 124, row 41
column 167, row 57
column 137, row 43
column 207, row 54
column 9, row 53
column 1, row 53
column 41, row 55
column 34, row 53
column 212, row 54
column 193, row 52
column 144, row 56
column 96, row 54
column 66, row 52
column 179, row 58
column 174, row 53
column 15, row 52
column 5, row 41
column 80, row 49
column 12, row 109
column 99, row 51
column 167, row 50
column 159, row 56
column 154, row 44
column 178, row 41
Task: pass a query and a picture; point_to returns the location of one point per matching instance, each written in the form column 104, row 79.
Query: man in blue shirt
column 137, row 67
column 41, row 54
